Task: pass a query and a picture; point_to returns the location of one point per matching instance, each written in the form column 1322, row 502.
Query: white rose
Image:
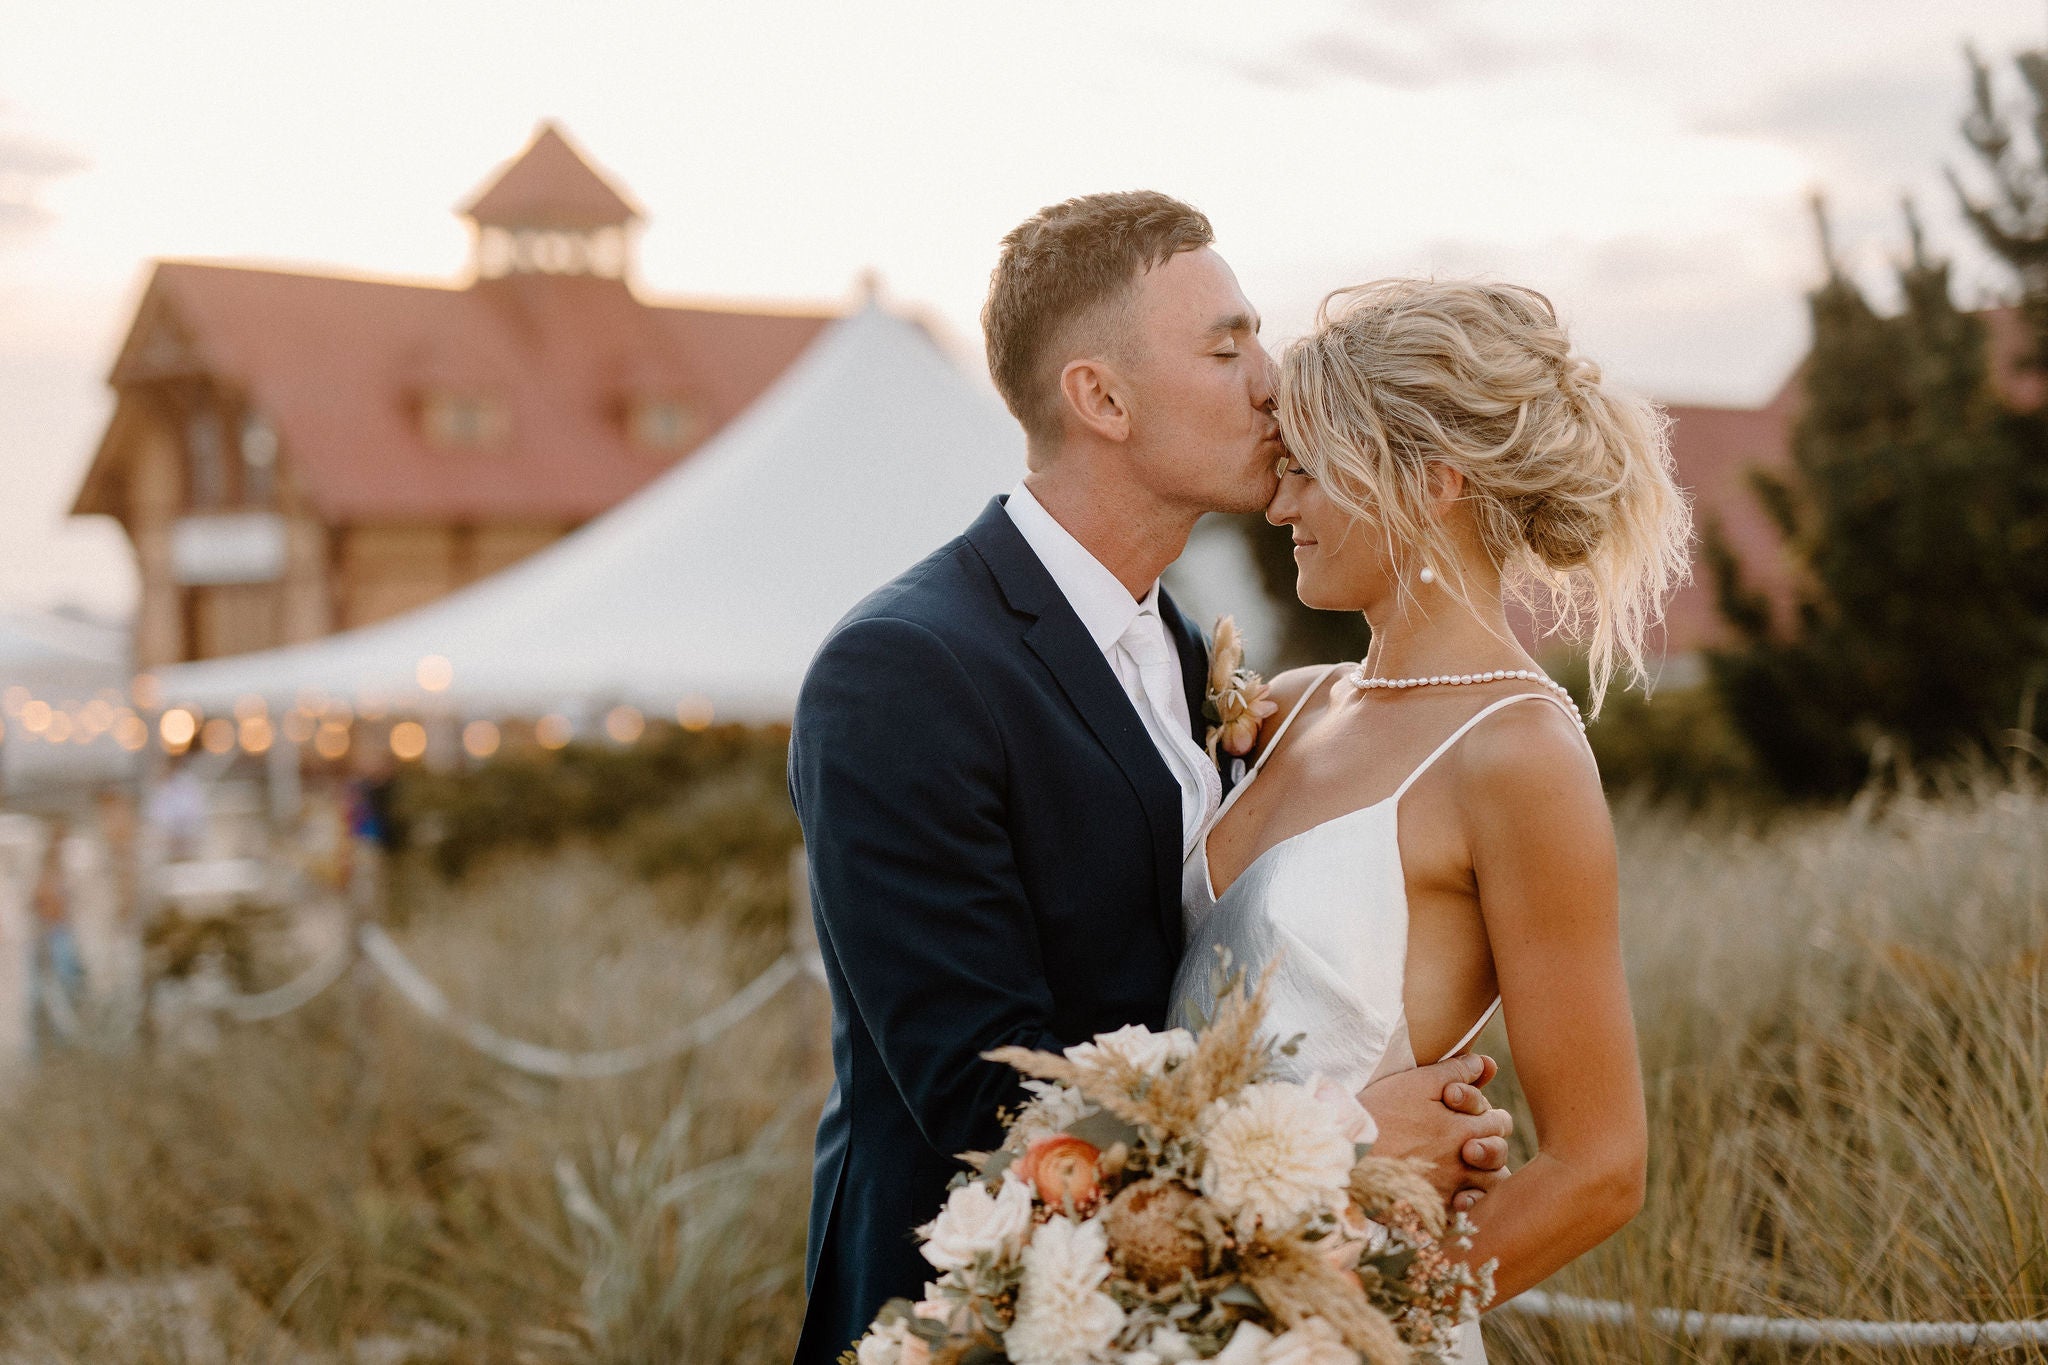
column 882, row 1345
column 1314, row 1342
column 976, row 1223
column 1275, row 1154
column 1063, row 1317
column 1169, row 1345
column 1148, row 1051
column 1245, row 1345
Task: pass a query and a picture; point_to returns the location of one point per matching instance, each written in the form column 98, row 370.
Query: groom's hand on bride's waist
column 1439, row 1114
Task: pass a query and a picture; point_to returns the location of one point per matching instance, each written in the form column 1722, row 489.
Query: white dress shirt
column 1141, row 652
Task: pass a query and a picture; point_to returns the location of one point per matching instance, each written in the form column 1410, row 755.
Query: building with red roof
column 293, row 454
column 1716, row 449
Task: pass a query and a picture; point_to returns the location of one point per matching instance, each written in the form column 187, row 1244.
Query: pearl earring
column 1428, row 575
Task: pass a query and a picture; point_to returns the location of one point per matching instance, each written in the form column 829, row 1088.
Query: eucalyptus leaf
column 998, row 1162
column 1103, row 1130
column 1241, row 1295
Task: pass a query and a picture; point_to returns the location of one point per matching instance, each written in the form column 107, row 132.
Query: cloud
column 27, row 163
column 1875, row 125
column 1406, row 46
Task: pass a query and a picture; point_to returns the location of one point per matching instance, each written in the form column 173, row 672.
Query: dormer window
column 666, row 424
column 464, row 421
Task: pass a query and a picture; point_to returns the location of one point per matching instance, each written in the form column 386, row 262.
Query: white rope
column 424, row 996
column 1799, row 1331
column 294, row 994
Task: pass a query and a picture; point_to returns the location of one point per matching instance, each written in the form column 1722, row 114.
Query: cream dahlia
column 1063, row 1317
column 1274, row 1154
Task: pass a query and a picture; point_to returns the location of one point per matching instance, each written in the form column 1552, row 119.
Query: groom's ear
column 1094, row 396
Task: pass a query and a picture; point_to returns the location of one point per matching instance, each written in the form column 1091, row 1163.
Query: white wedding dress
column 1330, row 906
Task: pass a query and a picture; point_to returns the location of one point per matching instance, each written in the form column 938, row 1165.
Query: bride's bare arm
column 1544, row 864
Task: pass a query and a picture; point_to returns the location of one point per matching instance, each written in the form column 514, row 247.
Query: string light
column 434, row 673
column 255, row 735
column 408, row 740
column 480, row 739
column 330, row 741
column 131, row 732
column 694, row 713
column 624, row 724
column 178, row 728
column 217, row 736
column 552, row 731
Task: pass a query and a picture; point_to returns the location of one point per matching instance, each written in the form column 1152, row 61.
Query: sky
column 1647, row 165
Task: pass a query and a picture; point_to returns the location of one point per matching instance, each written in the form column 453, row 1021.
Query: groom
column 997, row 757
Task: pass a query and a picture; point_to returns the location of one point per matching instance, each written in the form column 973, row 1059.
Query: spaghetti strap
column 1473, row 1033
column 1459, row 733
column 1307, row 694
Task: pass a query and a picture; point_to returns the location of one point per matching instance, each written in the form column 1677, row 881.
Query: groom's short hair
column 1059, row 268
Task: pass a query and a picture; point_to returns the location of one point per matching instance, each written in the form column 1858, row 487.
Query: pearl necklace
column 1358, row 679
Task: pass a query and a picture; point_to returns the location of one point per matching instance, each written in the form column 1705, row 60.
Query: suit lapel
column 1063, row 644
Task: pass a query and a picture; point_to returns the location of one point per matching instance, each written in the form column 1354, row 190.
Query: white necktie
column 1144, row 643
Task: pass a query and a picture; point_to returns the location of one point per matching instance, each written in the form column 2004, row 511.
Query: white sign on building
column 227, row 547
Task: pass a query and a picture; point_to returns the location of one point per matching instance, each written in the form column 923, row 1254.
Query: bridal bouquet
column 1165, row 1198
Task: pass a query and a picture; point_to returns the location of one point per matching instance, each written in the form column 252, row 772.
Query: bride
column 1422, row 839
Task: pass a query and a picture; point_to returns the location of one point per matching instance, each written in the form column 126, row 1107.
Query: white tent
column 56, row 657
column 713, row 585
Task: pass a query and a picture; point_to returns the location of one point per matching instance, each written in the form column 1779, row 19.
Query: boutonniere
column 1236, row 702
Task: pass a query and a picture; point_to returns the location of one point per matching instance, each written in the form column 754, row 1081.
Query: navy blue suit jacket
column 994, row 848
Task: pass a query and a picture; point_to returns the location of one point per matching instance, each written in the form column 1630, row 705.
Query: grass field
column 1845, row 1033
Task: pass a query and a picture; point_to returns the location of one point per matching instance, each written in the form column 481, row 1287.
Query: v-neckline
column 1209, row 877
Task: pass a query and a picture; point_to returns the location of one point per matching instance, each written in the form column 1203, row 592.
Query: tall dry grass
column 381, row 1193
column 1844, row 1024
column 1844, row 1028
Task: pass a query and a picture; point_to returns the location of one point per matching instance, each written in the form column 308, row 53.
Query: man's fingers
column 1464, row 1200
column 1481, row 1182
column 1485, row 1154
column 1494, row 1123
column 1488, row 1069
column 1465, row 1099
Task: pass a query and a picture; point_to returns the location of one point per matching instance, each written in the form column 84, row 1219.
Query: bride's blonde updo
column 1570, row 481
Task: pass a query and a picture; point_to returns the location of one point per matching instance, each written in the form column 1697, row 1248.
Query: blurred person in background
column 58, row 967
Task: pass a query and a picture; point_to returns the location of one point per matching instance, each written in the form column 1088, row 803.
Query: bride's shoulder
column 1529, row 753
column 1288, row 688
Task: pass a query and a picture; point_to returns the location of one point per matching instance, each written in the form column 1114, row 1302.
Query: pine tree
column 1909, row 508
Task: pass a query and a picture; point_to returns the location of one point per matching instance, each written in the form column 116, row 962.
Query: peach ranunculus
column 1063, row 1170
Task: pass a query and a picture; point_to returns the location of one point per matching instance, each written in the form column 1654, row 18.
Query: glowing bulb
column 131, row 732
column 408, row 739
column 434, row 673
column 256, row 735
column 694, row 713
column 552, row 731
column 480, row 739
column 217, row 736
column 178, row 727
column 624, row 724
column 330, row 741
